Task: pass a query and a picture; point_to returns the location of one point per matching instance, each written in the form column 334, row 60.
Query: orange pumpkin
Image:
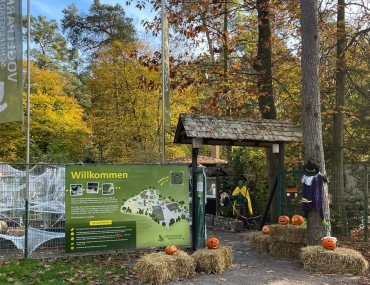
column 171, row 249
column 297, row 220
column 213, row 243
column 266, row 229
column 329, row 242
column 284, row 220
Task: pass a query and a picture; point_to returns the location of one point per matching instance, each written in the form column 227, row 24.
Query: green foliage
column 251, row 163
column 101, row 26
column 51, row 49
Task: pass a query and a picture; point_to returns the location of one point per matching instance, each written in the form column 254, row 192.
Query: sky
column 52, row 9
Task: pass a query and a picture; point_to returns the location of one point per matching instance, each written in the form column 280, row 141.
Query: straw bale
column 288, row 233
column 340, row 260
column 159, row 267
column 260, row 242
column 213, row 260
column 285, row 249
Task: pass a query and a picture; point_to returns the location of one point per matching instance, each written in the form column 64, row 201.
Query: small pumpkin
column 297, row 220
column 266, row 229
column 171, row 249
column 329, row 242
column 284, row 220
column 213, row 243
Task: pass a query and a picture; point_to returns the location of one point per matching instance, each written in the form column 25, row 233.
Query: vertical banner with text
column 126, row 206
column 166, row 70
column 11, row 61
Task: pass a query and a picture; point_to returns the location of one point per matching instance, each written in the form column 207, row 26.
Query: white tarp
column 35, row 239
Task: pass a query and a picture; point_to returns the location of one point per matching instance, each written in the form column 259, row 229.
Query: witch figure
column 313, row 182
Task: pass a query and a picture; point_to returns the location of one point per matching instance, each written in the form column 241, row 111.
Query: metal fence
column 37, row 227
column 348, row 199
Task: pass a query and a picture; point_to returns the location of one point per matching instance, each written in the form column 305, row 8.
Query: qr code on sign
column 177, row 178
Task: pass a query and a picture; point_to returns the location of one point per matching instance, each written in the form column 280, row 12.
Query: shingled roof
column 215, row 130
column 204, row 160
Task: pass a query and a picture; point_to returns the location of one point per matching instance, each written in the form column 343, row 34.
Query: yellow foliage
column 57, row 128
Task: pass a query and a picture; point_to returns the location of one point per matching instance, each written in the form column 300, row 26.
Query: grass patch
column 88, row 270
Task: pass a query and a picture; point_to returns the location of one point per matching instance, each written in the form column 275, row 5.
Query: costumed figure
column 242, row 202
column 313, row 182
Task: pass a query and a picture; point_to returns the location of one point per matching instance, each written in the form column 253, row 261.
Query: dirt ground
column 254, row 268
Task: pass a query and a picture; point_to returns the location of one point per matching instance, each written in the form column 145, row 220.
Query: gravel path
column 251, row 267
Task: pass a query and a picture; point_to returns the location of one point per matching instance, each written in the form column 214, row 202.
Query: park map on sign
column 165, row 211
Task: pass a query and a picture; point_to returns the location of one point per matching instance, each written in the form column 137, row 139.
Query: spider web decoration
column 46, row 199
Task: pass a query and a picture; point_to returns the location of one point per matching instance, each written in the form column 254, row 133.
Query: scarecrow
column 241, row 201
column 313, row 182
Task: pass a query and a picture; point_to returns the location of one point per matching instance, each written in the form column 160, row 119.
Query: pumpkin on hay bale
column 260, row 242
column 341, row 260
column 284, row 220
column 297, row 220
column 266, row 229
column 213, row 260
column 213, row 243
column 160, row 267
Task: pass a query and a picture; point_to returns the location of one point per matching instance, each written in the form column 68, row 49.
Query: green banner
column 126, row 206
column 11, row 61
column 166, row 72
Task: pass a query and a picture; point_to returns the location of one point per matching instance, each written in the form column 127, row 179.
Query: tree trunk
column 311, row 111
column 266, row 99
column 337, row 181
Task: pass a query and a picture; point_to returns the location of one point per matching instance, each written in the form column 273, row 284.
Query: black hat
column 310, row 169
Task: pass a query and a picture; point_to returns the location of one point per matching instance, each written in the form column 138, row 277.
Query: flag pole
column 163, row 85
column 26, row 198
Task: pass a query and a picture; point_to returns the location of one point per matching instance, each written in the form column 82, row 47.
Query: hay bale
column 285, row 249
column 260, row 242
column 340, row 260
column 159, row 267
column 288, row 233
column 213, row 260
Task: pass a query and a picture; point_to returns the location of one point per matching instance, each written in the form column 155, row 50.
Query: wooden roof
column 205, row 160
column 215, row 130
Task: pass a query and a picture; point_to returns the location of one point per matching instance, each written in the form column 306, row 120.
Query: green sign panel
column 126, row 206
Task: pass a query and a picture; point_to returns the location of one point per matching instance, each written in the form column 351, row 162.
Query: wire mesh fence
column 32, row 209
column 348, row 199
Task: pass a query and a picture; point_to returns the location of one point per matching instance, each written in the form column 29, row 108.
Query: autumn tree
column 58, row 132
column 343, row 97
column 311, row 111
column 49, row 50
column 337, row 184
column 101, row 26
column 126, row 114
